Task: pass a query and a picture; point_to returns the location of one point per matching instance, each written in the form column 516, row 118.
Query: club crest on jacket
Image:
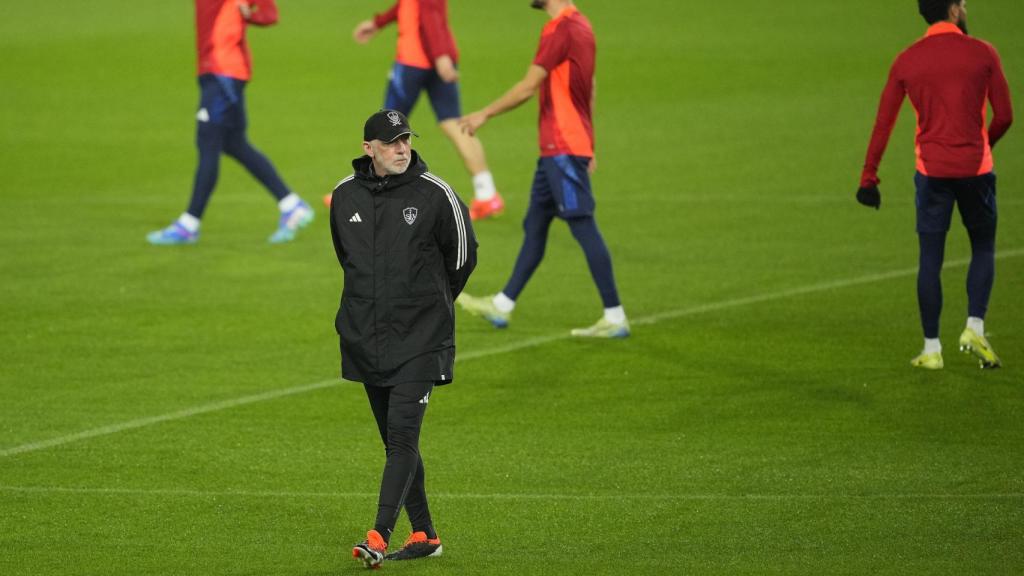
column 410, row 215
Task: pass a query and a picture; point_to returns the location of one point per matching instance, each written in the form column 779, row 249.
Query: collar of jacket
column 363, row 167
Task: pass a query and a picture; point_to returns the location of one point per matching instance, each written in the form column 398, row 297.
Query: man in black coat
column 406, row 246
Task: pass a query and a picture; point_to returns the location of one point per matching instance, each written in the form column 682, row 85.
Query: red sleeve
column 262, row 12
column 384, row 18
column 888, row 111
column 434, row 30
column 999, row 96
column 553, row 50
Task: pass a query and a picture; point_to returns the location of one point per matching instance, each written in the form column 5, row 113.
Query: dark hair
column 935, row 10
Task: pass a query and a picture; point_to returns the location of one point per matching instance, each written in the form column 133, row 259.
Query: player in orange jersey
column 427, row 59
column 563, row 73
column 225, row 67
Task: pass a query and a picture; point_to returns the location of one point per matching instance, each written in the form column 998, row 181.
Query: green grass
column 763, row 418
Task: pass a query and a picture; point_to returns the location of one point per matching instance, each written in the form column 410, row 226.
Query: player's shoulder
column 345, row 182
column 438, row 190
column 984, row 46
column 434, row 184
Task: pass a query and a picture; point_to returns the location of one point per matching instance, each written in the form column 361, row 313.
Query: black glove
column 870, row 197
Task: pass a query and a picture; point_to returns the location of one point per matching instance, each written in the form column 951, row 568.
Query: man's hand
column 245, row 9
column 592, row 165
column 364, row 31
column 470, row 123
column 446, row 69
column 870, row 196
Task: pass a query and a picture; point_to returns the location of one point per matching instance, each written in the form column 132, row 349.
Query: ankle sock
column 615, row 315
column 503, row 303
column 189, row 222
column 289, row 203
column 483, row 186
column 976, row 324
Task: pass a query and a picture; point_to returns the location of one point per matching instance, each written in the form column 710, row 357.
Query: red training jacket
column 948, row 77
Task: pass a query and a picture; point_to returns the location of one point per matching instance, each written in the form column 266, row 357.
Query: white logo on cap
column 394, row 118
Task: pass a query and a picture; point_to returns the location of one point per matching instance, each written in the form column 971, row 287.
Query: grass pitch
column 175, row 411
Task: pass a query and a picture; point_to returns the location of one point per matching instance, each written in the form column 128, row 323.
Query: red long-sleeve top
column 423, row 32
column 220, row 35
column 948, row 77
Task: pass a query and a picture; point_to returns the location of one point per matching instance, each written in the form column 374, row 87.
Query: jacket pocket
column 414, row 318
column 354, row 321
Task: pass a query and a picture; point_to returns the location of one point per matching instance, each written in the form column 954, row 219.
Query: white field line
column 501, row 496
column 179, row 415
column 472, row 355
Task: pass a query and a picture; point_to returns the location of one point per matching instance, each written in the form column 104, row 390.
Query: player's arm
column 259, row 12
column 433, row 32
column 336, row 201
column 592, row 165
column 888, row 111
column 457, row 241
column 521, row 92
column 367, row 29
column 999, row 96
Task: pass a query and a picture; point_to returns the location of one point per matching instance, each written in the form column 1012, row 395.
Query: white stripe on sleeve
column 460, row 223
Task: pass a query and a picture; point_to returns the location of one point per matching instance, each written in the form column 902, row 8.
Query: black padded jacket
column 407, row 248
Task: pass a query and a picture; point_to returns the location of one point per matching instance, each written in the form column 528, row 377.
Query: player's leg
column 407, row 405
column 976, row 199
column 569, row 183
column 498, row 308
column 372, row 550
column 929, row 284
column 295, row 213
column 423, row 542
column 599, row 260
column 210, row 131
column 445, row 100
column 404, row 86
column 934, row 202
column 536, row 226
column 487, row 201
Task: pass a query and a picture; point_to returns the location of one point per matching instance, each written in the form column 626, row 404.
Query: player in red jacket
column 225, row 66
column 427, row 59
column 948, row 77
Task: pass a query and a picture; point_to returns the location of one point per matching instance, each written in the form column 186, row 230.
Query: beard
column 962, row 24
column 539, row 4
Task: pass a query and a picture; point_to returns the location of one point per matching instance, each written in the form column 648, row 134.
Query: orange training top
column 423, row 32
column 567, row 51
column 220, row 35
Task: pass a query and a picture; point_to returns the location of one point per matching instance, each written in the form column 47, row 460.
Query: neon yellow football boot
column 928, row 361
column 484, row 307
column 603, row 329
column 973, row 343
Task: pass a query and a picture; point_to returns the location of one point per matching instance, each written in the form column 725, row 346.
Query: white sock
column 976, row 324
column 503, row 303
column 189, row 222
column 289, row 202
column 932, row 345
column 483, row 186
column 615, row 315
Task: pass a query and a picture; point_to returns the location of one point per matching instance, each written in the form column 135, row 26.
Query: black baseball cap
column 386, row 125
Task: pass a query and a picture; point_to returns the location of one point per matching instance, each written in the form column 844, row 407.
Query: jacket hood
column 363, row 169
